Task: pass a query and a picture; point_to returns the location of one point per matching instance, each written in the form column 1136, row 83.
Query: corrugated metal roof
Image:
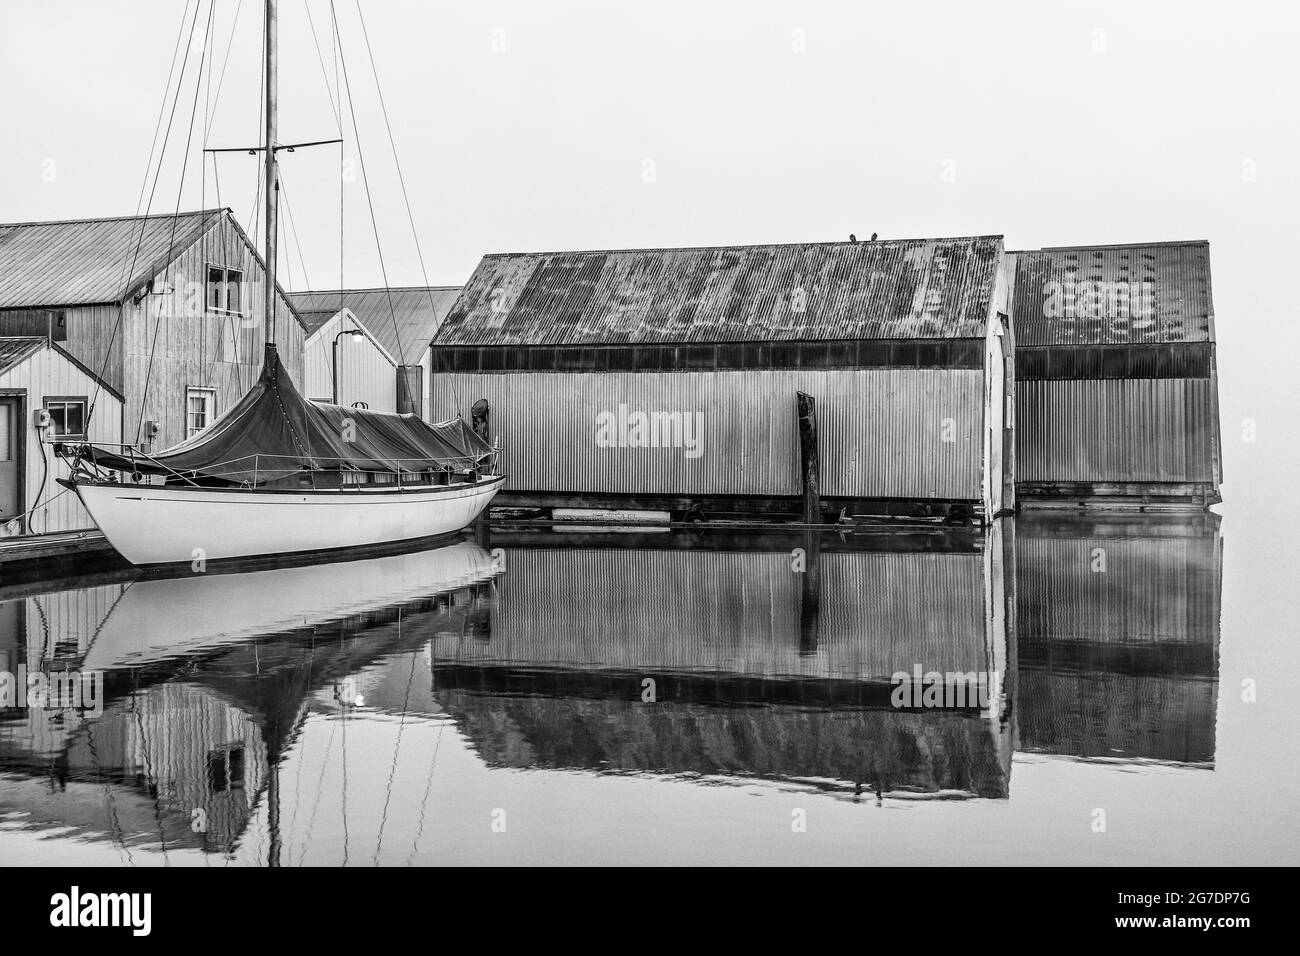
column 1104, row 295
column 14, row 351
column 897, row 289
column 403, row 320
column 90, row 261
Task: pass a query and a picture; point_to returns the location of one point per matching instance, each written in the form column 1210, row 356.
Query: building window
column 67, row 416
column 226, row 769
column 225, row 289
column 200, row 409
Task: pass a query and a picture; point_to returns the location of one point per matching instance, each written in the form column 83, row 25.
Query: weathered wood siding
column 191, row 346
column 48, row 373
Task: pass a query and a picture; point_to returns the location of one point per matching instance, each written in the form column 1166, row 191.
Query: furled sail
column 273, row 433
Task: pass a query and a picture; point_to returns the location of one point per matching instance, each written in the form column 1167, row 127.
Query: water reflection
column 263, row 715
column 749, row 673
column 1119, row 637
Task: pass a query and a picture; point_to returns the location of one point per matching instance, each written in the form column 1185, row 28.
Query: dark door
column 10, row 432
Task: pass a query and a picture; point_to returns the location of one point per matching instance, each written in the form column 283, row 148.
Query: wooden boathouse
column 166, row 309
column 669, row 379
column 1117, row 384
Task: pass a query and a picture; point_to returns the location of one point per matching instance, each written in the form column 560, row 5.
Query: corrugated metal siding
column 916, row 288
column 879, row 431
column 403, row 320
column 1053, row 306
column 1154, row 588
column 707, row 612
column 1115, row 430
column 47, row 372
column 90, row 261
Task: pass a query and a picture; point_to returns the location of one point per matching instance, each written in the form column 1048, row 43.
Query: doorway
column 11, row 463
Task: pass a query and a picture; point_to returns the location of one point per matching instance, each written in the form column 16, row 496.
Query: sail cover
column 274, row 432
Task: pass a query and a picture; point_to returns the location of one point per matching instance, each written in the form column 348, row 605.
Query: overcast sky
column 564, row 125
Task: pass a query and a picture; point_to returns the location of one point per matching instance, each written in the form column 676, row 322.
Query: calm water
column 628, row 698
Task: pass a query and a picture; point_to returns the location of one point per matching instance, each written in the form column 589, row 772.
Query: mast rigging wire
column 128, row 269
column 365, row 179
column 410, row 216
column 180, row 190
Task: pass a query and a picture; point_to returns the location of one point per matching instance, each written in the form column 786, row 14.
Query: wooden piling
column 810, row 466
column 810, row 591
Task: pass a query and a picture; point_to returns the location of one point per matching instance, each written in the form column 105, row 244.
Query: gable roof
column 16, row 349
column 1114, row 295
column 402, row 320
column 81, row 262
column 91, row 261
column 892, row 289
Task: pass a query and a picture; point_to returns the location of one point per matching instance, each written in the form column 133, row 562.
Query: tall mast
column 272, row 183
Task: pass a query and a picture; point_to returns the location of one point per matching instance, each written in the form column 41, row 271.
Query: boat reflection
column 206, row 679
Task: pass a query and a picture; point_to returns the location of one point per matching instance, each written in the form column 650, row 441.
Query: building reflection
column 705, row 656
column 1119, row 636
column 700, row 657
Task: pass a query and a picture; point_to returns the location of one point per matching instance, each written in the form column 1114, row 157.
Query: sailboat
column 280, row 475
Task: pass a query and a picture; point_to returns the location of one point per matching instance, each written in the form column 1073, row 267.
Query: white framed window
column 200, row 409
column 67, row 416
column 225, row 289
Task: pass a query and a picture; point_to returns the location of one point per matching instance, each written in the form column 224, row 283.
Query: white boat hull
column 156, row 524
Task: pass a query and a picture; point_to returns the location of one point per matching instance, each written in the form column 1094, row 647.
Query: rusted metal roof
column 16, row 350
column 896, row 289
column 403, row 320
column 1114, row 295
column 91, row 261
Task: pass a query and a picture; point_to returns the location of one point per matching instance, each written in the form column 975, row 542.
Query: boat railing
column 398, row 471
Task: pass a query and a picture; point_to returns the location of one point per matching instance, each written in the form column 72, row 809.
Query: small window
column 67, row 417
column 225, row 289
column 226, row 769
column 200, row 409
